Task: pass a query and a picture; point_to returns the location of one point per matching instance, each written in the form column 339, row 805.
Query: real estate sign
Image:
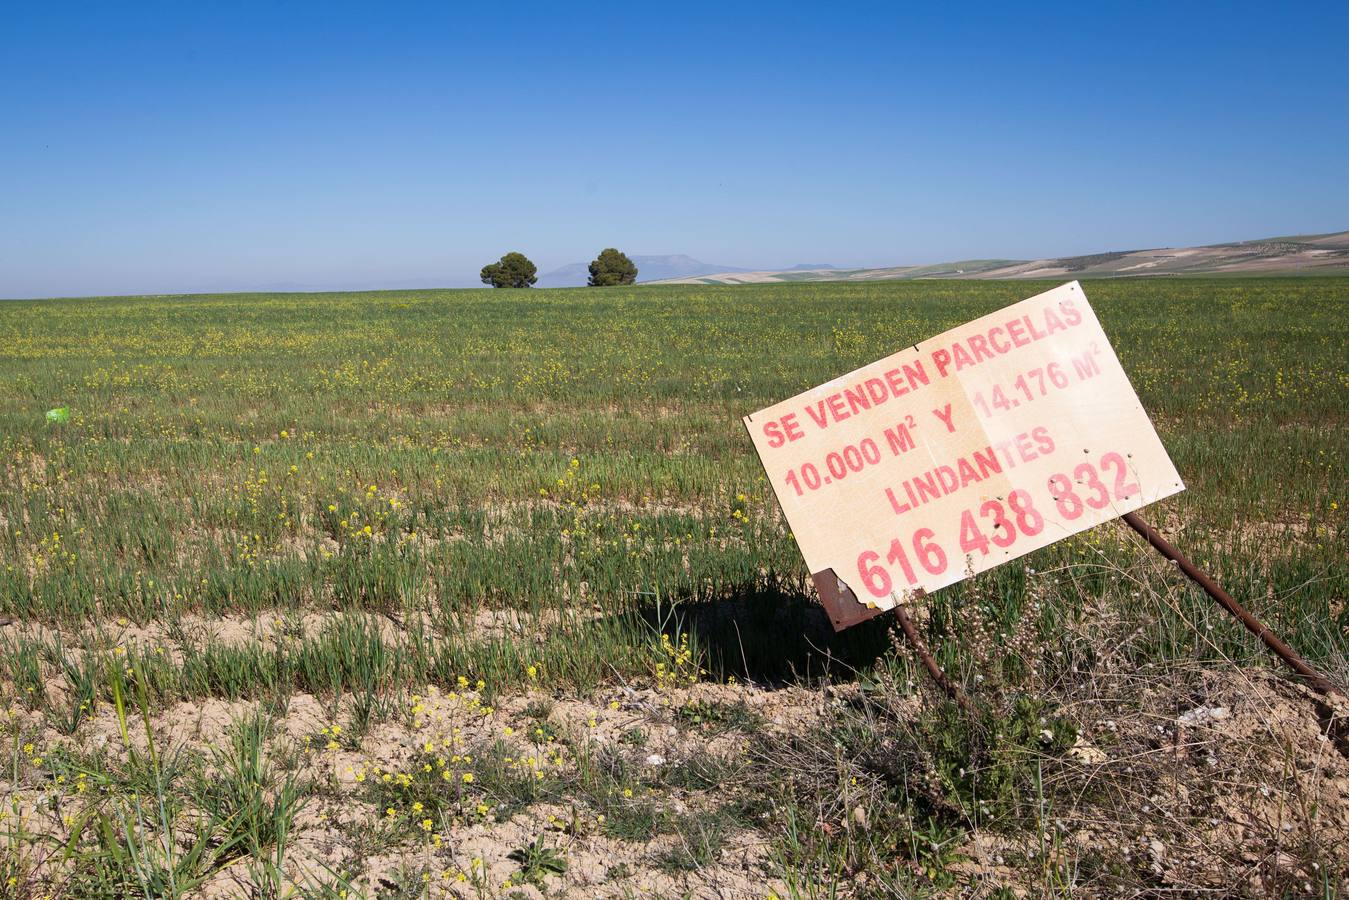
column 964, row 451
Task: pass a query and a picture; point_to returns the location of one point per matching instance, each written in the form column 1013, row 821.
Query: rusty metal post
column 845, row 610
column 1215, row 590
column 911, row 634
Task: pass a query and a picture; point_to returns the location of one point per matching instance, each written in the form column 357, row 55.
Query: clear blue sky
column 200, row 146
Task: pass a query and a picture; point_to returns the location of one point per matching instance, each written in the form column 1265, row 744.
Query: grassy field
column 482, row 593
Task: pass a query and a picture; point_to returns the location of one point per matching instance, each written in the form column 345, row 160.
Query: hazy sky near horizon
column 166, row 147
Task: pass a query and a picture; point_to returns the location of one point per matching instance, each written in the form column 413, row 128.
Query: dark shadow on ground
column 771, row 635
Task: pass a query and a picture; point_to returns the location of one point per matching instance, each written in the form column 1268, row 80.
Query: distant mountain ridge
column 1312, row 254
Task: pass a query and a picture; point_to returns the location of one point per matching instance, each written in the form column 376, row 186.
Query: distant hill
column 649, row 268
column 1308, row 254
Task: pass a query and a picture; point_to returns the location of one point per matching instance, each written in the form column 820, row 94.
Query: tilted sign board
column 962, row 452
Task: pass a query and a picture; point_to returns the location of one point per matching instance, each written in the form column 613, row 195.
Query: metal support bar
column 1214, row 590
column 929, row 663
column 845, row 611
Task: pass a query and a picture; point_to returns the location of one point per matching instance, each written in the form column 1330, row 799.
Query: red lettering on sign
column 1035, row 333
column 979, row 347
column 835, row 402
column 1004, row 338
column 1043, row 440
column 945, row 479
column 988, row 462
column 1070, row 312
column 864, row 395
column 894, row 378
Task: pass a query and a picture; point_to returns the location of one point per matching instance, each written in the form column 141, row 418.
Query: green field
column 551, row 492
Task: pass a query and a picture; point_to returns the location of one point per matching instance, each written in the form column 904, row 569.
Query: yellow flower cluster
column 571, row 490
column 676, row 665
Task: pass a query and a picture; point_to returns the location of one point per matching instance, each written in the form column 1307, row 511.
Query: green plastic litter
column 59, row 416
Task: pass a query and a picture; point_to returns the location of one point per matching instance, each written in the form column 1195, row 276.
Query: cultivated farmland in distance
column 1303, row 254
column 486, row 590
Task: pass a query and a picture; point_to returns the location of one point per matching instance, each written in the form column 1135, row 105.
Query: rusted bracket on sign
column 842, row 605
column 845, row 610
